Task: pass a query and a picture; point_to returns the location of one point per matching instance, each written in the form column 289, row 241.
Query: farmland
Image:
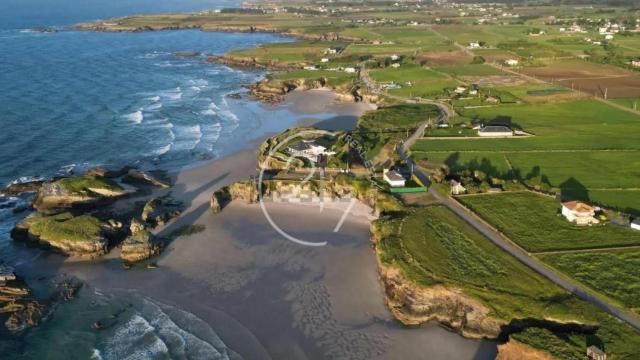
column 613, row 273
column 584, row 149
column 432, row 246
column 533, row 222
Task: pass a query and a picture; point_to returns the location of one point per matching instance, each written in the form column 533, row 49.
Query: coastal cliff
column 412, row 304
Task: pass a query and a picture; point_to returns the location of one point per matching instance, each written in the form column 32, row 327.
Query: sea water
column 72, row 100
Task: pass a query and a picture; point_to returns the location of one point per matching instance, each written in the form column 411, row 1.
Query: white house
column 579, row 213
column 308, row 149
column 311, row 67
column 324, row 60
column 594, row 353
column 608, row 37
column 635, row 224
column 457, row 188
column 350, row 70
column 474, row 45
column 395, row 65
column 460, row 90
column 495, row 131
column 635, row 62
column 395, row 57
column 332, row 51
column 393, row 178
column 511, row 62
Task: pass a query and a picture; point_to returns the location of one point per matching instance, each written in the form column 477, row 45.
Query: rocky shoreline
column 86, row 216
column 116, row 25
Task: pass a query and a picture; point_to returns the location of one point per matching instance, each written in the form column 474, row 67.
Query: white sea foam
column 135, row 339
column 187, row 137
column 229, row 115
column 210, row 112
column 154, row 98
column 96, row 355
column 154, row 106
column 174, row 94
column 161, row 331
column 135, row 117
column 163, row 150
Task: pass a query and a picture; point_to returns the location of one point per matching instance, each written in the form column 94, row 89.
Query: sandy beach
column 266, row 297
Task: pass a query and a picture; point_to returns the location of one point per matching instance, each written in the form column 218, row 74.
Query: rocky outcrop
column 145, row 178
column 140, row 245
column 414, row 305
column 78, row 236
column 158, row 211
column 20, row 188
column 514, row 350
column 18, row 308
column 75, row 192
column 245, row 191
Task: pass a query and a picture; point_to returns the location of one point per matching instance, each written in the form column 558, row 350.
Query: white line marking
column 344, row 216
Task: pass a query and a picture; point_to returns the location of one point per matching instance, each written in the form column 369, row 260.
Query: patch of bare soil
column 444, row 58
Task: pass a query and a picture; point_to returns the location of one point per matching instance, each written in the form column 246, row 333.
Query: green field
column 433, row 246
column 612, row 273
column 425, row 82
column 584, row 149
column 533, row 222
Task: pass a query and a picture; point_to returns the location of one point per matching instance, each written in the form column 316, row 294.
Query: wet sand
column 269, row 298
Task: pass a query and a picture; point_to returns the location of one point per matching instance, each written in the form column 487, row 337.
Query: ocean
column 73, row 100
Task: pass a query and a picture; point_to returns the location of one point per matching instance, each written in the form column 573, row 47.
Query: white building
column 579, row 213
column 474, row 45
column 635, row 62
column 635, row 224
column 308, row 149
column 350, row 70
column 608, row 37
column 311, row 68
column 457, row 188
column 324, row 60
column 393, row 178
column 395, row 57
column 495, row 131
column 332, row 51
column 460, row 90
column 395, row 65
column 511, row 62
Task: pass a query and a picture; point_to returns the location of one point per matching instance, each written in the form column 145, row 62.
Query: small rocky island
column 87, row 216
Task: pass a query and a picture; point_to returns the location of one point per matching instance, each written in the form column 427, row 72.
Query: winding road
column 487, row 230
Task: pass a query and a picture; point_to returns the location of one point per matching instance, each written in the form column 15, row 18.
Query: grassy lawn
column 82, row 184
column 433, row 246
column 425, row 82
column 65, row 227
column 594, row 169
column 585, row 124
column 533, row 222
column 613, row 273
column 308, row 51
column 598, row 172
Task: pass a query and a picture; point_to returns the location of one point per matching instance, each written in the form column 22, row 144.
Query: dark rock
column 140, row 246
column 159, row 211
column 143, row 177
column 186, row 54
column 19, row 188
